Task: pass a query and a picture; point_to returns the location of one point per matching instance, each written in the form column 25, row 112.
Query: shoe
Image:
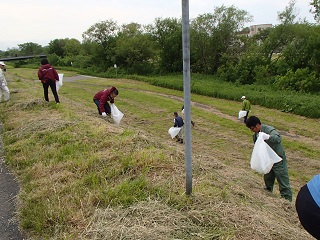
column 192, row 123
column 181, row 140
column 267, row 189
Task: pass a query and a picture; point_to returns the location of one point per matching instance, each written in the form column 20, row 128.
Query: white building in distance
column 254, row 29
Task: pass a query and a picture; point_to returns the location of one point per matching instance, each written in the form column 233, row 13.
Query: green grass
column 304, row 104
column 71, row 163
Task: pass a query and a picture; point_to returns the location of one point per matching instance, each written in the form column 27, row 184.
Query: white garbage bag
column 116, row 114
column 263, row 157
column 242, row 114
column 173, row 131
column 59, row 83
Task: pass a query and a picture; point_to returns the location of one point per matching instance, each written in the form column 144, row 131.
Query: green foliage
column 288, row 15
column 301, row 80
column 262, row 75
column 103, row 37
column 135, row 50
column 56, row 47
column 29, row 48
column 228, row 73
column 288, row 55
column 214, row 35
column 300, row 103
column 315, row 9
column 281, row 53
column 54, row 59
column 64, row 47
column 246, row 71
column 167, row 33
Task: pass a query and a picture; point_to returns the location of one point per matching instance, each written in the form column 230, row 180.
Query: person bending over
column 178, row 122
column 279, row 170
column 102, row 98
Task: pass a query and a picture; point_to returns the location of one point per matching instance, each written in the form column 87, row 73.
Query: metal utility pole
column 186, row 93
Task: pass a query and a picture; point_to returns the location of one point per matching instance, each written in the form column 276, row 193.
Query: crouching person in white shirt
column 3, row 84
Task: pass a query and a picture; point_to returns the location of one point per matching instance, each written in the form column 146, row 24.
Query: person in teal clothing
column 308, row 206
column 279, row 170
column 246, row 106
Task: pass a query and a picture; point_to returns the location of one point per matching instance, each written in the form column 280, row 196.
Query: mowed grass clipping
column 82, row 177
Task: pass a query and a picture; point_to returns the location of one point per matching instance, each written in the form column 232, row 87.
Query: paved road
column 9, row 189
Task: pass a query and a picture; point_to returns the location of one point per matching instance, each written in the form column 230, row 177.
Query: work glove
column 264, row 135
column 104, row 114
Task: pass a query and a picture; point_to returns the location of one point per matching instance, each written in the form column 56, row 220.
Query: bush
column 301, row 80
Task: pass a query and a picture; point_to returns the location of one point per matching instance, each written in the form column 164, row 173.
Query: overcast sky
column 41, row 21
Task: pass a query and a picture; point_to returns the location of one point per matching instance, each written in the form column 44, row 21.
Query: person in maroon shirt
column 101, row 100
column 48, row 76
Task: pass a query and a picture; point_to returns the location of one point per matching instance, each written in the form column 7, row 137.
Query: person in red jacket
column 48, row 76
column 101, row 100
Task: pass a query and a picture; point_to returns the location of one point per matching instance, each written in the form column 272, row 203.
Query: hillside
column 82, row 177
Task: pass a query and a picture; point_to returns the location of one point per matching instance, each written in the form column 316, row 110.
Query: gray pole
column 186, row 91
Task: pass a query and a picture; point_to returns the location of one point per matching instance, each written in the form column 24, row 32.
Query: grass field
column 82, row 177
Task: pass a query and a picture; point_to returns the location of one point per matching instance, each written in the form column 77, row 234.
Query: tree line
column 286, row 56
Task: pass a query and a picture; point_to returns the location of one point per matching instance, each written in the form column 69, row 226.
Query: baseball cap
column 243, row 97
column 2, row 63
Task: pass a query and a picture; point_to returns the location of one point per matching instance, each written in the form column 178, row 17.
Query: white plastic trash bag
column 116, row 114
column 263, row 157
column 59, row 83
column 173, row 131
column 242, row 114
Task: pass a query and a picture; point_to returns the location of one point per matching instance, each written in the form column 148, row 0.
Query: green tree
column 56, row 46
column 289, row 14
column 315, row 9
column 103, row 34
column 72, row 47
column 213, row 35
column 30, row 48
column 168, row 35
column 13, row 52
column 135, row 50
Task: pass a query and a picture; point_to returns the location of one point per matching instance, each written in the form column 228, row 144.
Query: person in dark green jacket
column 246, row 106
column 279, row 170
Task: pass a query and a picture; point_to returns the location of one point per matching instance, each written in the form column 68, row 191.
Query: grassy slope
column 84, row 178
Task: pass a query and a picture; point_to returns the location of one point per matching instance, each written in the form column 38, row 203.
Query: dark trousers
column 308, row 212
column 279, row 171
column 106, row 106
column 246, row 116
column 52, row 85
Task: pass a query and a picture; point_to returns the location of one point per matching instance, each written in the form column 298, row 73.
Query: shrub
column 301, row 80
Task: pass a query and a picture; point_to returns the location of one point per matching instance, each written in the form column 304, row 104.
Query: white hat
column 243, row 97
column 2, row 63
